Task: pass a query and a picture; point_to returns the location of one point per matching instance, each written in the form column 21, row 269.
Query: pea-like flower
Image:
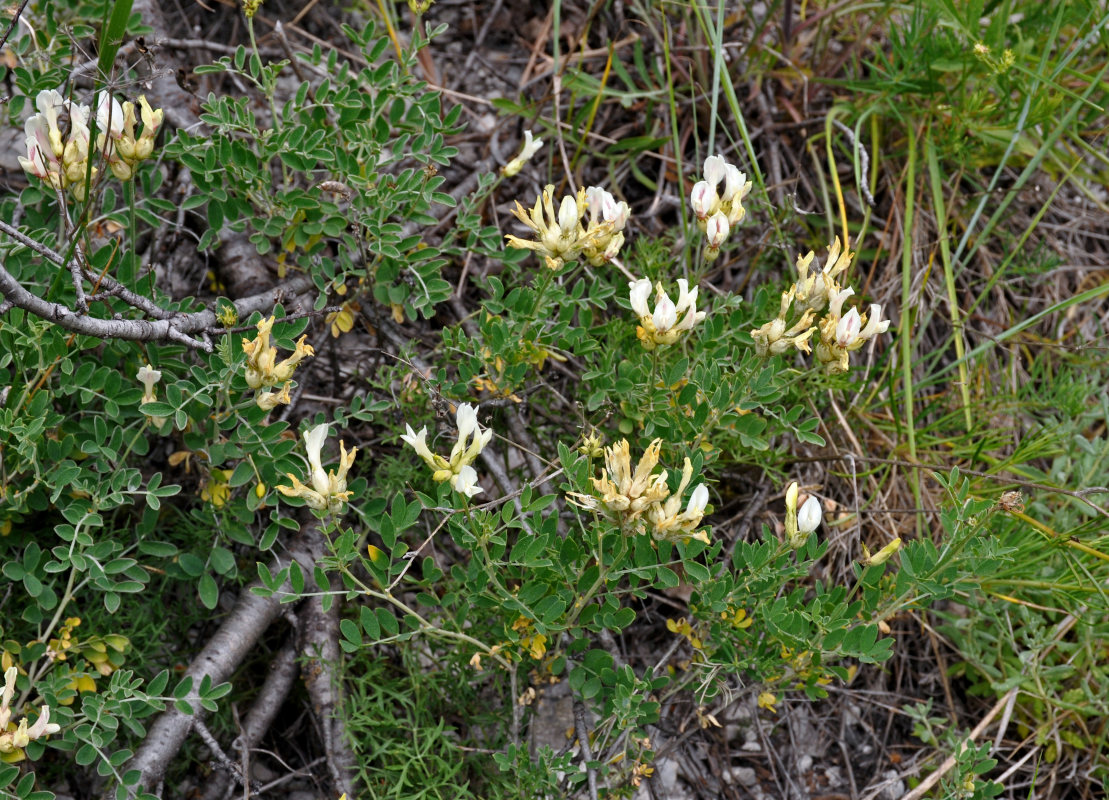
column 149, row 377
column 65, row 164
column 778, row 336
column 14, row 739
column 800, row 523
column 530, row 147
column 664, row 519
column 883, row 555
column 815, row 289
column 841, row 334
column 328, row 490
column 719, row 211
column 263, row 369
column 640, row 500
column 457, row 469
column 560, row 236
column 669, row 320
column 605, row 234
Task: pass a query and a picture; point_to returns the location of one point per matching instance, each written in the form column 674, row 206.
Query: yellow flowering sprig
column 328, row 490
column 13, row 738
column 457, row 469
column 639, row 500
column 263, row 369
column 840, row 333
column 561, row 237
column 777, row 336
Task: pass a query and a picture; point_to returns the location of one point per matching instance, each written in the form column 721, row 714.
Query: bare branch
column 247, row 621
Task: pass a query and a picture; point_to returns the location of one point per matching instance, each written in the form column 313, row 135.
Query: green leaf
column 388, row 621
column 208, row 591
column 369, row 623
column 111, row 37
column 296, row 577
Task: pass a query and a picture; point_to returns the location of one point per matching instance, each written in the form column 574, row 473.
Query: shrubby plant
column 105, row 423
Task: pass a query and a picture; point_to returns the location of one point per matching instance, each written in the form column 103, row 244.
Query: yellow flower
column 560, row 236
column 262, row 368
column 267, row 401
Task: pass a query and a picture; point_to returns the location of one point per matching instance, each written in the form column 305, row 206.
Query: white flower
column 313, row 445
column 42, row 725
column 835, row 301
column 148, row 377
column 669, row 320
column 666, row 314
column 531, row 146
column 568, row 215
column 640, row 291
column 809, row 515
column 465, row 482
column 717, row 229
column 603, row 208
column 109, row 115
column 848, row 327
column 329, row 489
column 715, row 170
column 734, row 183
column 698, row 500
column 687, row 305
column 471, row 441
column 704, row 199
column 418, row 442
column 50, row 104
column 875, row 324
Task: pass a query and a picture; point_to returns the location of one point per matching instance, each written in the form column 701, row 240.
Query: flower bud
column 809, row 515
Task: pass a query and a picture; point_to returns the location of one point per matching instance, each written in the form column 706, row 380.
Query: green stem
column 907, row 317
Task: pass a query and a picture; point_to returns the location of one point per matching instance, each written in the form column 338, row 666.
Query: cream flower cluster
column 718, row 210
column 669, row 320
column 263, row 369
column 14, row 738
column 64, row 164
column 328, row 490
column 639, row 500
column 457, row 469
column 561, row 236
column 840, row 333
column 117, row 139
